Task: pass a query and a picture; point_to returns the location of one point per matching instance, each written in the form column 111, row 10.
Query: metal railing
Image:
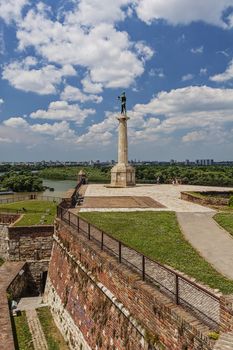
column 29, row 197
column 200, row 301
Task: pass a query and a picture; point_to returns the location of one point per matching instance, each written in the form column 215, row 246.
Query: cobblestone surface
column 38, row 336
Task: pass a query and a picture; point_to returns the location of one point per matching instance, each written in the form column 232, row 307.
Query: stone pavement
column 30, row 303
column 225, row 342
column 212, row 241
column 167, row 195
column 38, row 336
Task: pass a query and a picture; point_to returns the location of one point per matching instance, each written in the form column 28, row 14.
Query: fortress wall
column 100, row 304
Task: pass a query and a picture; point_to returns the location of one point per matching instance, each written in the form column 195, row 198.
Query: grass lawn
column 22, row 332
column 34, row 212
column 53, row 336
column 225, row 220
column 157, row 235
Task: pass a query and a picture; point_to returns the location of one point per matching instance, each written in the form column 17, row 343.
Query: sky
column 63, row 63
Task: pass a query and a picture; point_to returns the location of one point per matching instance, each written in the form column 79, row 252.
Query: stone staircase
column 225, row 342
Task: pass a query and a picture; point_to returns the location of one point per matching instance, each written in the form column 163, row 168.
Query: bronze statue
column 122, row 98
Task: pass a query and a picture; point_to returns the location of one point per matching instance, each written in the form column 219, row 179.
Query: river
column 60, row 187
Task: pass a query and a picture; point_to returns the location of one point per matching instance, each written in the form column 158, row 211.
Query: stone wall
column 204, row 201
column 100, row 304
column 4, row 242
column 30, row 242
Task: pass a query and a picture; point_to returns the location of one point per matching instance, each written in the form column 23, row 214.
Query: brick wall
column 100, row 304
column 8, row 218
column 13, row 283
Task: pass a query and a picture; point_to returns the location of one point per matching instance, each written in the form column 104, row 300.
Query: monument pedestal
column 122, row 174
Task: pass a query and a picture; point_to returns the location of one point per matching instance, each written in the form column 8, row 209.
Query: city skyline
column 63, row 65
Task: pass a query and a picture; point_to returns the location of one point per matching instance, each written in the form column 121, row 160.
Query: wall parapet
column 106, row 300
column 13, row 281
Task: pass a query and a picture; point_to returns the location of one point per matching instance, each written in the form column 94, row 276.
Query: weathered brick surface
column 226, row 313
column 110, row 305
column 8, row 218
column 14, row 283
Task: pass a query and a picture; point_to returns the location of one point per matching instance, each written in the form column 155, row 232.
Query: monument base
column 122, row 175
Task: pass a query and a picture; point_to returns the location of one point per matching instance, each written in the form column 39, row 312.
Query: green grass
column 1, row 261
column 53, row 336
column 22, row 332
column 157, row 235
column 225, row 220
column 34, row 210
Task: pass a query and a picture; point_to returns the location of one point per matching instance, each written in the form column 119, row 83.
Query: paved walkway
column 38, row 336
column 212, row 241
column 167, row 195
column 30, row 305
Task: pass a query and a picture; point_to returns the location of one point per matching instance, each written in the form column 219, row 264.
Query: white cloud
column 18, row 130
column 60, row 130
column 156, row 72
column 184, row 11
column 203, row 71
column 5, row 140
column 43, row 81
column 90, row 87
column 108, row 55
column 61, row 110
column 194, row 136
column 197, row 50
column 1, row 101
column 144, row 51
column 94, row 12
column 2, row 43
column 16, row 122
column 10, row 10
column 72, row 93
column 225, row 76
column 187, row 77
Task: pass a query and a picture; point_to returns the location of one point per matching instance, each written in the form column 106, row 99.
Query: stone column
column 123, row 141
column 122, row 174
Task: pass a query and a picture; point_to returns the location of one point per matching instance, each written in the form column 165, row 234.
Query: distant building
column 205, row 162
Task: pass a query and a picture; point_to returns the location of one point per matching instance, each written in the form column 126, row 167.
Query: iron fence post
column 119, row 252
column 102, row 240
column 177, row 289
column 89, row 231
column 143, row 267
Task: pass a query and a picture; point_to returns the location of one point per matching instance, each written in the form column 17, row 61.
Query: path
column 212, row 241
column 38, row 336
column 29, row 305
column 167, row 195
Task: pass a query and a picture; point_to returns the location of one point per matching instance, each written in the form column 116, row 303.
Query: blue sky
column 63, row 64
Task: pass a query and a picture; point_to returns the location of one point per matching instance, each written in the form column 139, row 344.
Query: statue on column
column 122, row 98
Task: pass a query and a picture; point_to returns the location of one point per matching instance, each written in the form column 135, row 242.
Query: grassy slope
column 157, row 235
column 53, row 336
column 34, row 211
column 225, row 220
column 22, row 332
